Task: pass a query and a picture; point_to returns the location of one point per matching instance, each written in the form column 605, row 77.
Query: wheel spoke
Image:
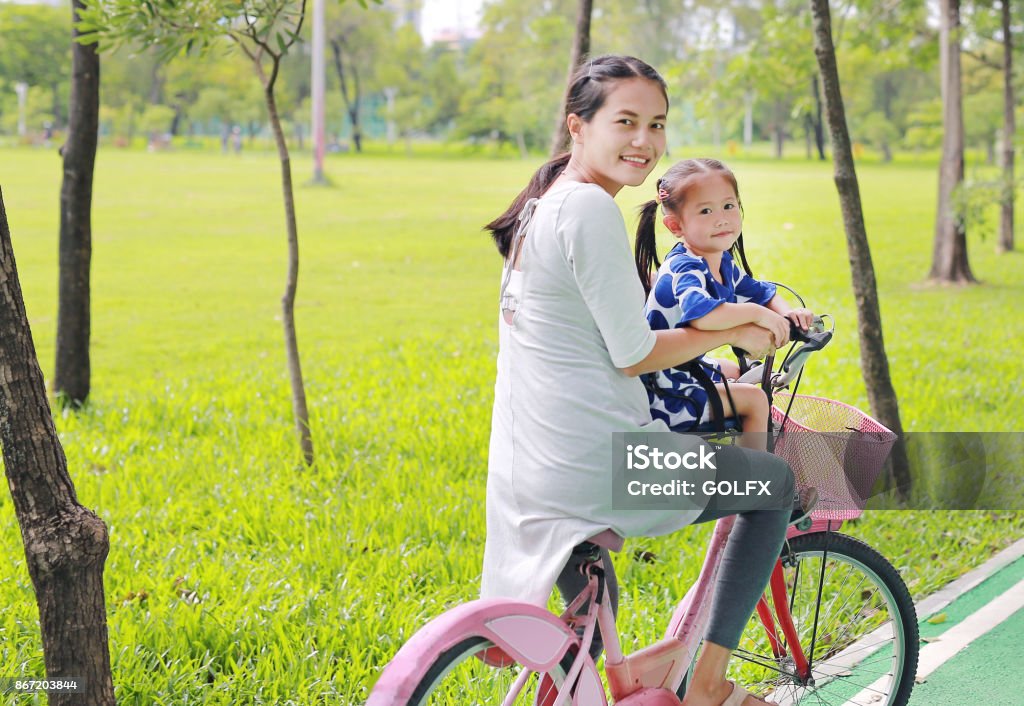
column 865, row 639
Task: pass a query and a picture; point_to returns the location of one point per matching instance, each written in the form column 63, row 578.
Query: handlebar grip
column 796, row 333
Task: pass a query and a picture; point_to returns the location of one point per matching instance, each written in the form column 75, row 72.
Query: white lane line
column 949, row 593
column 971, row 628
column 950, row 643
column 925, row 608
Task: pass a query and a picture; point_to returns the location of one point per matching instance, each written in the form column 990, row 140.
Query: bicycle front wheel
column 855, row 621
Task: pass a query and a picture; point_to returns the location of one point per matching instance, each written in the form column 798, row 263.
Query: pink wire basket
column 833, row 447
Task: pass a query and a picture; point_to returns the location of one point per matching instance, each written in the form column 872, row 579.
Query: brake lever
column 812, row 340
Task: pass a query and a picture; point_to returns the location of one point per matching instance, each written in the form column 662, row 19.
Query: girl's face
column 709, row 219
column 624, row 139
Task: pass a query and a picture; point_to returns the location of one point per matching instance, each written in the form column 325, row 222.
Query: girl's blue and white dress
column 684, row 289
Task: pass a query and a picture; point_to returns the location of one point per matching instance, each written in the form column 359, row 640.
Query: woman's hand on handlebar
column 802, row 317
column 754, row 340
column 776, row 324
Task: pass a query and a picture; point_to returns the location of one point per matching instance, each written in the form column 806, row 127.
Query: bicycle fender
column 526, row 633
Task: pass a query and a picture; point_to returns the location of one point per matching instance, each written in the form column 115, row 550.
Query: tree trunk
column 72, row 372
column 179, row 113
column 808, row 135
column 351, row 104
column 357, row 133
column 780, row 129
column 299, row 409
column 949, row 256
column 748, row 119
column 1005, row 243
column 819, row 125
column 888, row 93
column 65, row 544
column 58, row 118
column 580, row 50
column 874, row 363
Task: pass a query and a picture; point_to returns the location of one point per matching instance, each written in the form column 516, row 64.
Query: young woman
column 573, row 339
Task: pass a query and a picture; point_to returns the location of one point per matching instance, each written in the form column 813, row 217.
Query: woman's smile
column 636, row 161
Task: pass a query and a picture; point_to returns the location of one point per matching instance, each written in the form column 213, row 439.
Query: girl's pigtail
column 738, row 253
column 646, row 251
column 503, row 227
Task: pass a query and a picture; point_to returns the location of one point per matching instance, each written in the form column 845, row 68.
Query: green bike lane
column 970, row 653
column 971, row 650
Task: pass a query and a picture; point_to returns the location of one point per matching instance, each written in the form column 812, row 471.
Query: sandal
column 739, row 694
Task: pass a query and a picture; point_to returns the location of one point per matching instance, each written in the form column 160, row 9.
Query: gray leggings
column 749, row 557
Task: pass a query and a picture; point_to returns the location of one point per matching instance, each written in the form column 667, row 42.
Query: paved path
column 975, row 656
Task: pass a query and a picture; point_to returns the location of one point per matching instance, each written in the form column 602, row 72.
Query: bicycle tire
column 437, row 689
column 473, row 654
column 864, row 651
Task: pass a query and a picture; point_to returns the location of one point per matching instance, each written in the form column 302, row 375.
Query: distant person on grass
column 573, row 339
column 700, row 285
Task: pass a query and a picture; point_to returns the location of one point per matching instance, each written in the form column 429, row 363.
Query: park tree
column 264, row 32
column 127, row 86
column 886, row 58
column 949, row 255
column 991, row 29
column 34, row 51
column 444, row 87
column 402, row 74
column 71, row 375
column 517, row 72
column 357, row 35
column 786, row 74
column 579, row 53
column 748, row 58
column 65, row 544
column 874, row 362
column 1005, row 243
column 660, row 31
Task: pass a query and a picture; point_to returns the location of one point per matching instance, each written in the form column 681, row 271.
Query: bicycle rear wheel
column 855, row 621
column 489, row 652
column 460, row 676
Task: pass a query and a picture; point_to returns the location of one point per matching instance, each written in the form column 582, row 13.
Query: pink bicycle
column 835, row 625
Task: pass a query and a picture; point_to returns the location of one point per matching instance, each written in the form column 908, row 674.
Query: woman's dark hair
column 588, row 89
column 671, row 195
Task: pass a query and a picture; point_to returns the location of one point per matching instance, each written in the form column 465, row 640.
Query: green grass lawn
column 237, row 576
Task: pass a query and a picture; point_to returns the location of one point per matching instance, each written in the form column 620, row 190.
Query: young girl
column 700, row 286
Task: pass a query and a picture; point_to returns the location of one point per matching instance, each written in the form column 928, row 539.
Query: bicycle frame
column 664, row 664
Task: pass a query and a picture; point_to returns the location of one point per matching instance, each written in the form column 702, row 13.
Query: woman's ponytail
column 646, row 250
column 503, row 228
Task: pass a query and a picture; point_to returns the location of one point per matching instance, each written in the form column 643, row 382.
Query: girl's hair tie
column 662, row 195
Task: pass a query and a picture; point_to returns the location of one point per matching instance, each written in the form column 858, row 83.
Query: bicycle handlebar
column 811, row 340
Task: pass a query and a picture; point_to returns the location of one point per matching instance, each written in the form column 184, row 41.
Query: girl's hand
column 776, row 324
column 803, row 318
column 730, row 369
column 756, row 341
